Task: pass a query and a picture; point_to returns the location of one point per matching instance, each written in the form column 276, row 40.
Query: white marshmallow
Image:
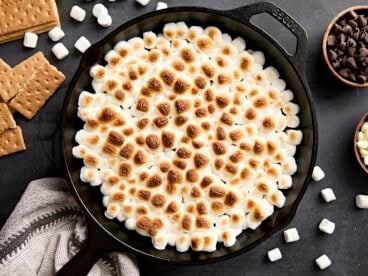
column 79, row 151
column 113, row 209
column 327, row 226
column 318, row 174
column 99, row 10
column 91, row 176
column 82, row 44
column 56, row 34
column 77, row 13
column 30, row 40
column 361, row 201
column 104, row 20
column 279, row 84
column 130, row 223
column 160, row 241
column 60, row 51
column 328, row 194
column 239, row 44
column 291, row 235
column 274, row 254
column 272, row 73
column 161, row 6
column 182, row 242
column 259, row 57
column 285, row 182
column 143, row 2
column 323, row 262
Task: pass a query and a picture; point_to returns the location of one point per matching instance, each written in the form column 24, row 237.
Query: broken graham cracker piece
column 6, row 118
column 37, row 91
column 20, row 16
column 12, row 82
column 11, row 141
column 4, row 68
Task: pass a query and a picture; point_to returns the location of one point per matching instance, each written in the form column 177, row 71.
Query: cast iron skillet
column 105, row 235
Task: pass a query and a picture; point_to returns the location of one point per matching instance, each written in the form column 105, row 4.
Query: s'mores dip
column 189, row 135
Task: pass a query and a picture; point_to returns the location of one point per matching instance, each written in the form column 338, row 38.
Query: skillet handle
column 244, row 14
column 96, row 245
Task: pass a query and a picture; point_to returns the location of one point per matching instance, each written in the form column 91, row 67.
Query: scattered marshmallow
column 327, row 226
column 82, row 44
column 291, row 235
column 161, row 6
column 274, row 254
column 60, row 51
column 361, row 201
column 30, row 40
column 143, row 2
column 328, row 194
column 323, row 262
column 77, row 13
column 56, row 34
column 105, row 20
column 318, row 174
column 99, row 10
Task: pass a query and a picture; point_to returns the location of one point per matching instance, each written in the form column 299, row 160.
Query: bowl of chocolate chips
column 345, row 46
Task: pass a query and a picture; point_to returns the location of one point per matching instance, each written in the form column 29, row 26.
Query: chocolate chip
column 345, row 73
column 337, row 28
column 347, row 29
column 361, row 21
column 341, row 38
column 361, row 79
column 355, row 34
column 351, row 51
column 350, row 63
column 336, row 64
column 353, row 24
column 363, row 52
column 352, row 15
column 352, row 77
column 332, row 55
column 331, row 40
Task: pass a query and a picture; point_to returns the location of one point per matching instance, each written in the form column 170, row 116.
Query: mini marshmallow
column 292, row 121
column 318, row 174
column 56, row 34
column 60, row 51
column 104, row 20
column 130, row 223
column 99, row 10
column 361, row 201
column 161, row 6
column 285, row 182
column 77, row 13
column 274, row 254
column 160, row 241
column 328, row 194
column 279, row 84
column 291, row 235
column 30, row 40
column 113, row 209
column 82, row 44
column 323, row 262
column 327, row 226
column 259, row 57
column 143, row 2
column 182, row 242
column 272, row 73
column 239, row 44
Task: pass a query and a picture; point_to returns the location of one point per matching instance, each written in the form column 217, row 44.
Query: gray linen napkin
column 46, row 229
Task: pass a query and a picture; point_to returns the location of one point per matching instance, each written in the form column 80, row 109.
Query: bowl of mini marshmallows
column 345, row 46
column 361, row 142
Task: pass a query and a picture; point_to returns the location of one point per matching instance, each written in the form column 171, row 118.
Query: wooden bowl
column 356, row 150
column 324, row 46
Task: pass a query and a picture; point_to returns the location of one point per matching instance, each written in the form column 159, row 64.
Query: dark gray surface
column 338, row 110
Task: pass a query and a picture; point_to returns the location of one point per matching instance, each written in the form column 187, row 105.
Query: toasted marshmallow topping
column 190, row 138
